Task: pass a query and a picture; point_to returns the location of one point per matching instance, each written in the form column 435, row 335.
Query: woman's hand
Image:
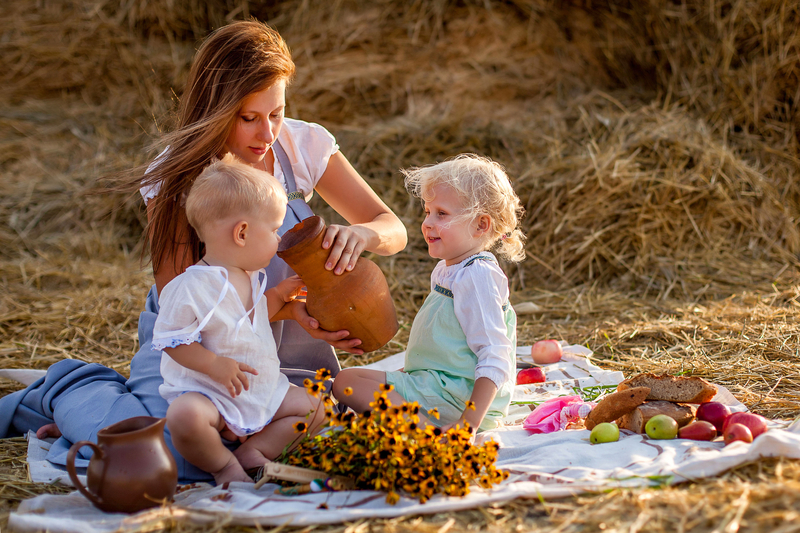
column 346, row 244
column 311, row 325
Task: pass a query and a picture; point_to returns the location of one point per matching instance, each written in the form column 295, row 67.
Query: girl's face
column 258, row 124
column 449, row 236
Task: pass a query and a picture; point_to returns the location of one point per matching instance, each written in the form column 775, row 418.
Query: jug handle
column 73, row 474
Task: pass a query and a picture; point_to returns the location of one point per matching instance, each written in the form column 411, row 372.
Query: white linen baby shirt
column 308, row 147
column 479, row 293
column 202, row 306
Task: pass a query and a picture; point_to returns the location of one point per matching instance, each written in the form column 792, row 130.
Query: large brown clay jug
column 131, row 469
column 358, row 300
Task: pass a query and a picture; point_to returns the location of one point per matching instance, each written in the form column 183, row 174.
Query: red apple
column 713, row 412
column 757, row 424
column 737, row 431
column 530, row 375
column 698, row 430
column 546, row 352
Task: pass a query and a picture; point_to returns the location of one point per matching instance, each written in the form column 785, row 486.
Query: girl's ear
column 484, row 224
column 240, row 232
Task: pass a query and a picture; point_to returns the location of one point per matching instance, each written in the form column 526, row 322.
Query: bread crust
column 615, row 405
column 680, row 389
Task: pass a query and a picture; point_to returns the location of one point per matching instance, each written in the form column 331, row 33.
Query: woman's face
column 257, row 124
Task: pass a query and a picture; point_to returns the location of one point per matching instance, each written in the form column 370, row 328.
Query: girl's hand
column 231, row 374
column 311, row 325
column 346, row 243
column 461, row 424
column 290, row 288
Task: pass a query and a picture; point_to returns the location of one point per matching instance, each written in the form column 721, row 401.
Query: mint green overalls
column 440, row 367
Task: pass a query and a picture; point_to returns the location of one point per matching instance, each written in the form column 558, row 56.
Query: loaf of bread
column 615, row 405
column 672, row 388
column 636, row 419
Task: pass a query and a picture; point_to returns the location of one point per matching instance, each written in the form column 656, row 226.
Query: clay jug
column 131, row 469
column 358, row 300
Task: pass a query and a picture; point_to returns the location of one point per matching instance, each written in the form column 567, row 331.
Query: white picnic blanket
column 545, row 466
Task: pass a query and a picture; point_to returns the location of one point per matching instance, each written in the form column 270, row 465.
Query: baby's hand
column 291, row 288
column 231, row 374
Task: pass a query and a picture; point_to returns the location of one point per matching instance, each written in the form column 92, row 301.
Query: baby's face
column 262, row 242
column 450, row 236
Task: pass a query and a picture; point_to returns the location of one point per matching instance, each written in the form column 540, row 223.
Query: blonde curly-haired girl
column 460, row 358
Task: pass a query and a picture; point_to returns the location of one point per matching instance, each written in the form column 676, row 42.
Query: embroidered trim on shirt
column 447, row 292
column 295, row 195
column 442, row 290
column 479, row 257
column 174, row 342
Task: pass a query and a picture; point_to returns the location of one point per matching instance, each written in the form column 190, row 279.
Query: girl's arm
column 482, row 397
column 374, row 227
column 480, row 291
column 223, row 370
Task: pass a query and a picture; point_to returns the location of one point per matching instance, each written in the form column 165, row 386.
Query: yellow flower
column 348, row 391
column 387, row 449
column 434, row 413
column 300, row 427
column 323, row 374
column 470, row 405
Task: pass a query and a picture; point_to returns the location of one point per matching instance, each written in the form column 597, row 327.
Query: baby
column 219, row 360
column 460, row 359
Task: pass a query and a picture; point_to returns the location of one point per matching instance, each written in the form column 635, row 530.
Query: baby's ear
column 240, row 230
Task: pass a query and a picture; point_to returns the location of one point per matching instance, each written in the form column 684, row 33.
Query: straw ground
column 654, row 145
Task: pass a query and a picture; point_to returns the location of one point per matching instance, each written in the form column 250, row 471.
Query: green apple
column 661, row 427
column 604, row 432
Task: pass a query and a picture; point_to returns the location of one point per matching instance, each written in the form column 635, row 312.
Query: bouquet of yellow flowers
column 388, row 449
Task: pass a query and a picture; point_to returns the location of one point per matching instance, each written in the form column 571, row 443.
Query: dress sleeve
column 309, row 147
column 149, row 192
column 179, row 315
column 479, row 292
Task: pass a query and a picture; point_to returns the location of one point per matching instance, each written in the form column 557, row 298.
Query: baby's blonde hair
column 229, row 187
column 484, row 189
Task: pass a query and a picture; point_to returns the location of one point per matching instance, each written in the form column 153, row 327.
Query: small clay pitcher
column 131, row 469
column 358, row 300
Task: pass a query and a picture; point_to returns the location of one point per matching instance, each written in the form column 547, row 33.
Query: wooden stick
column 297, row 474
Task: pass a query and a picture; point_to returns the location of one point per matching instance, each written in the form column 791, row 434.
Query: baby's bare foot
column 232, row 471
column 250, row 457
column 48, row 430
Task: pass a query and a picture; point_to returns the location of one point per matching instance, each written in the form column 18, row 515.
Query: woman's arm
column 169, row 267
column 374, row 227
column 296, row 310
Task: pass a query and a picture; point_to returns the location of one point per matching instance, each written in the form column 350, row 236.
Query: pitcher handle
column 73, row 474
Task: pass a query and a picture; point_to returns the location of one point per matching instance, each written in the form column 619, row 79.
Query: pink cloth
column 556, row 414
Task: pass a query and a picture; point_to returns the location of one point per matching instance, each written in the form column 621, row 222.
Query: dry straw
column 654, row 144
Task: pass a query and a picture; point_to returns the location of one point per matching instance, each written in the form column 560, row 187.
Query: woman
column 233, row 102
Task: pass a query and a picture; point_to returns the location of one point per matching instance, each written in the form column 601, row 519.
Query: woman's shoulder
column 301, row 133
